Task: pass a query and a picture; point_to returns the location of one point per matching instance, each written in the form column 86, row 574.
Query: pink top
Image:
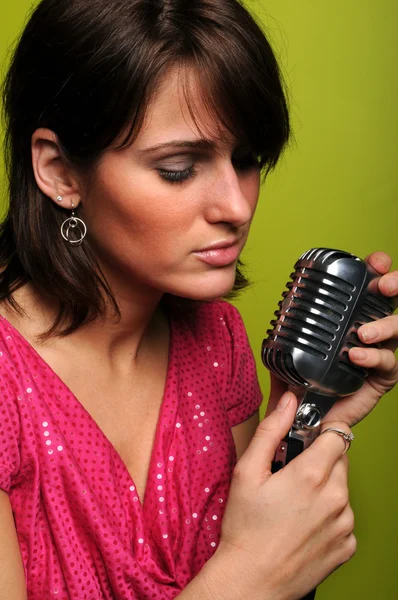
column 83, row 532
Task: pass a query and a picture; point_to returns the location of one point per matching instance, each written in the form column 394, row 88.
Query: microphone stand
column 306, row 428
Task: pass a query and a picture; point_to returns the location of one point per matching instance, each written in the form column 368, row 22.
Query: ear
column 52, row 175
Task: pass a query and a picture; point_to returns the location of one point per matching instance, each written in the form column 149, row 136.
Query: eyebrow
column 202, row 144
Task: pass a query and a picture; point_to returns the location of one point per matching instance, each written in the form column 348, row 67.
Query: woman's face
column 171, row 213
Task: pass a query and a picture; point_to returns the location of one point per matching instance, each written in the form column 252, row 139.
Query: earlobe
column 51, row 174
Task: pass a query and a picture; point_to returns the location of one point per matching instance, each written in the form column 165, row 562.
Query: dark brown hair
column 87, row 71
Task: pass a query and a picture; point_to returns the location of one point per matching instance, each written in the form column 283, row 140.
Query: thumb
column 257, row 459
column 278, row 387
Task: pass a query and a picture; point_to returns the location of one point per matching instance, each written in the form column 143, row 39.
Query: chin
column 213, row 285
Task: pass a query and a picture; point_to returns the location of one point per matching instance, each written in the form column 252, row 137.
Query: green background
column 335, row 187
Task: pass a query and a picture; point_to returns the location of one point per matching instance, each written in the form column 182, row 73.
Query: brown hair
column 87, row 71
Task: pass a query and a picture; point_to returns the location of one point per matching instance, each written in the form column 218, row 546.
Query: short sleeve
column 9, row 446
column 236, row 368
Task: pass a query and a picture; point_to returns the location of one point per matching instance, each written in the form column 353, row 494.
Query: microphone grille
column 329, row 296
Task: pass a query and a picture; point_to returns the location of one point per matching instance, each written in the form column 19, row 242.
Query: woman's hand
column 284, row 533
column 381, row 362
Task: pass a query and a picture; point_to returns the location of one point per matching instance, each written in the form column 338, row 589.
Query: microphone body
column 330, row 295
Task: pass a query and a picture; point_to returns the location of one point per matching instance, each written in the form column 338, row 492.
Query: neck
column 115, row 340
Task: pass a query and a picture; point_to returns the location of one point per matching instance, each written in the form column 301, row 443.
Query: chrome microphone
column 330, row 295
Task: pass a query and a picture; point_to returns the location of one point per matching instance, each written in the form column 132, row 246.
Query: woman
column 137, row 133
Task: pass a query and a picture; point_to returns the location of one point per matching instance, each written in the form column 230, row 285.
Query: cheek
column 137, row 212
column 251, row 189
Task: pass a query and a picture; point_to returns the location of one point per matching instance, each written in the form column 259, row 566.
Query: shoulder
column 217, row 329
column 217, row 324
column 217, row 317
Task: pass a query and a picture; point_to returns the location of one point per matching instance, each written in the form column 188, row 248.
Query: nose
column 232, row 199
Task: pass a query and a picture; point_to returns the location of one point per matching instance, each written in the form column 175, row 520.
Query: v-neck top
column 82, row 530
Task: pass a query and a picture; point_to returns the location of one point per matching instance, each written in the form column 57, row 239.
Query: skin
column 146, row 240
column 145, row 231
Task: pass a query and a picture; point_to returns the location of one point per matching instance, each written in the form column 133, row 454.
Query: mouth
column 220, row 245
column 222, row 253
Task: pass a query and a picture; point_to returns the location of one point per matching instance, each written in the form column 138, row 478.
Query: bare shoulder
column 12, row 578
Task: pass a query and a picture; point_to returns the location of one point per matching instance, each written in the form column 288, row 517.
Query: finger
column 388, row 284
column 372, row 358
column 278, row 388
column 321, row 457
column 380, row 261
column 255, row 464
column 379, row 331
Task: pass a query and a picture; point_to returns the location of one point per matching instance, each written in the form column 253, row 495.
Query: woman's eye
column 246, row 161
column 177, row 176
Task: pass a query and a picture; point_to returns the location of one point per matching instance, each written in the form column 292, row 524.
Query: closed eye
column 177, row 176
column 242, row 161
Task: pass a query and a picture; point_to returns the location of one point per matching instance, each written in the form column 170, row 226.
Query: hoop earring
column 71, row 225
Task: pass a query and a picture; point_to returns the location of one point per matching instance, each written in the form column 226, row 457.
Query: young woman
column 137, row 131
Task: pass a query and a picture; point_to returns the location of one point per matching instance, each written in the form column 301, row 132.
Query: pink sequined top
column 83, row 532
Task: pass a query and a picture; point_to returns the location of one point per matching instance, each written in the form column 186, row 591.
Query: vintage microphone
column 332, row 293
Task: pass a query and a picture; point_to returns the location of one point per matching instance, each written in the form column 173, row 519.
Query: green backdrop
column 336, row 187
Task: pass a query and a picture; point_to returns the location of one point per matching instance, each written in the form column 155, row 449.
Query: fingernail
column 358, row 354
column 392, row 285
column 368, row 334
column 283, row 402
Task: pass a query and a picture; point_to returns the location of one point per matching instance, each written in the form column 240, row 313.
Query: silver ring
column 347, row 437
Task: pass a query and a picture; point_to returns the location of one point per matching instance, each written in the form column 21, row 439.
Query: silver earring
column 73, row 230
column 59, row 198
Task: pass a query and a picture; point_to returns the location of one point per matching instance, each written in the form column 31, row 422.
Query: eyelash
column 181, row 176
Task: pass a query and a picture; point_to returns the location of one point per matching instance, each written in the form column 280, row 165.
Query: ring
column 347, row 437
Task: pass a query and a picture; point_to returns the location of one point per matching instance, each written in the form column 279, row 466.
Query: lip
column 220, row 254
column 228, row 243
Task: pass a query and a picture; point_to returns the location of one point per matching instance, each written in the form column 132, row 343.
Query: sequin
column 88, row 487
